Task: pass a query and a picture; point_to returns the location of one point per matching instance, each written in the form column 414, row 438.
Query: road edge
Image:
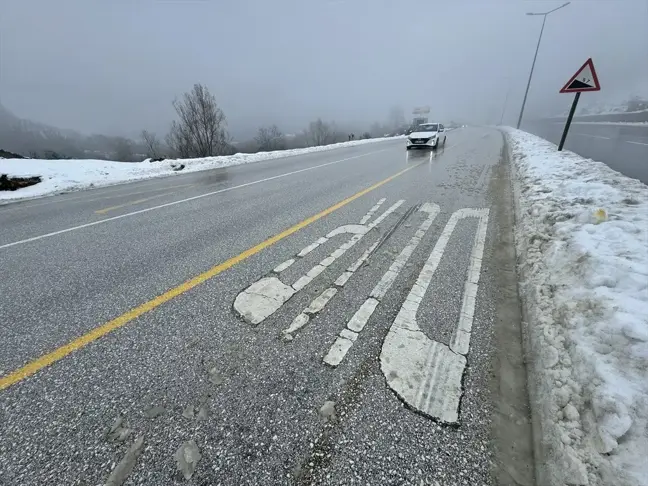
column 528, row 349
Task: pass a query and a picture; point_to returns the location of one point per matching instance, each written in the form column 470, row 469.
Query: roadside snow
column 584, row 286
column 631, row 124
column 73, row 175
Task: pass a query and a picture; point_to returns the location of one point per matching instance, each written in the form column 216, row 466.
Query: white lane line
column 267, row 295
column 592, row 136
column 636, row 143
column 368, row 216
column 340, row 347
column 427, row 374
column 173, row 203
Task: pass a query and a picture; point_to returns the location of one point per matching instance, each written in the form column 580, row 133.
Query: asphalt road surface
column 344, row 317
column 624, row 148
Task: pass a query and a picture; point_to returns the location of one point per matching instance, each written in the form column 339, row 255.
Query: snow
column 582, row 246
column 634, row 124
column 72, row 175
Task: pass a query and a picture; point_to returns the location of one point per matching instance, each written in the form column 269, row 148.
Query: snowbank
column 71, row 175
column 584, row 286
column 631, row 124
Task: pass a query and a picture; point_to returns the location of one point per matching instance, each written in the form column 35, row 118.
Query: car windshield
column 429, row 127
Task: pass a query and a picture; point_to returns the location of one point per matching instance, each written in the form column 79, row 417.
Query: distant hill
column 30, row 138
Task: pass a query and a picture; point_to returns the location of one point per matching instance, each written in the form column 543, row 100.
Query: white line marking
column 425, row 373
column 283, row 266
column 173, row 203
column 357, row 323
column 636, row 143
column 264, row 297
column 338, row 351
column 299, row 321
column 320, row 302
column 362, row 315
column 592, row 136
column 368, row 216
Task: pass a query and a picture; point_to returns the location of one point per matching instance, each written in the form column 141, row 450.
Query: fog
column 114, row 66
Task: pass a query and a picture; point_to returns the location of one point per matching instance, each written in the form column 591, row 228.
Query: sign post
column 585, row 79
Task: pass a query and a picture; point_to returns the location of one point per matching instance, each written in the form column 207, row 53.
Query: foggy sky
column 114, row 66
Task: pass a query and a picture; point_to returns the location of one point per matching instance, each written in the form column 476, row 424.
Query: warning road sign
column 585, row 79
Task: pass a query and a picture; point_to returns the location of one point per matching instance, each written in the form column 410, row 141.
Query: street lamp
column 536, row 56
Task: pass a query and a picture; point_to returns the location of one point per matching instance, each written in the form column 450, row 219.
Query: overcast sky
column 114, row 66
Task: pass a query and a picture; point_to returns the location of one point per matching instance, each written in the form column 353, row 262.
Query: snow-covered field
column 72, row 175
column 582, row 246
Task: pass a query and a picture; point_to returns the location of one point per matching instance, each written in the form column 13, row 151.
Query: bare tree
column 270, row 138
column 152, row 144
column 200, row 130
column 320, row 133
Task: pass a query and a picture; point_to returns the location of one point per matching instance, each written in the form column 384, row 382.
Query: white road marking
column 264, row 297
column 592, row 136
column 283, row 266
column 173, row 203
column 368, row 216
column 427, row 374
column 300, row 321
column 357, row 323
column 636, row 143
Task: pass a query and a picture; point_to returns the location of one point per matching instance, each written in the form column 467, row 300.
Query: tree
column 270, row 138
column 151, row 143
column 320, row 133
column 200, row 130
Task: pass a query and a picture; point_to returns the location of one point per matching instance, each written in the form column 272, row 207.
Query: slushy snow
column 73, row 175
column 582, row 246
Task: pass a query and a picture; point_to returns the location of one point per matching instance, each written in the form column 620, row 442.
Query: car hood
column 422, row 134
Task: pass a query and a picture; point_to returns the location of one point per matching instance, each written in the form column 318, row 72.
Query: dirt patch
column 14, row 183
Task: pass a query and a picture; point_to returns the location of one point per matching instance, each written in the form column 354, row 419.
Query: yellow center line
column 100, row 331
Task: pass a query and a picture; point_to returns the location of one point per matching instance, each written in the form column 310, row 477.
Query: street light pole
column 526, row 93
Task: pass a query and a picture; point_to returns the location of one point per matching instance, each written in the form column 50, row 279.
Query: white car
column 427, row 135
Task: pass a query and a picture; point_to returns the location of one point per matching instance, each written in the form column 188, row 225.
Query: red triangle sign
column 585, row 79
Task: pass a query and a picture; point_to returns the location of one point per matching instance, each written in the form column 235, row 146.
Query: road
column 624, row 148
column 344, row 317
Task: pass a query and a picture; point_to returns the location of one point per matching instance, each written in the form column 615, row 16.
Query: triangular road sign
column 585, row 79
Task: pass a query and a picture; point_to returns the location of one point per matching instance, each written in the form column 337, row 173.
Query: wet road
column 346, row 317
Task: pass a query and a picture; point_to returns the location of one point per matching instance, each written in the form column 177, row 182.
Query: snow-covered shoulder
column 582, row 245
column 72, row 175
